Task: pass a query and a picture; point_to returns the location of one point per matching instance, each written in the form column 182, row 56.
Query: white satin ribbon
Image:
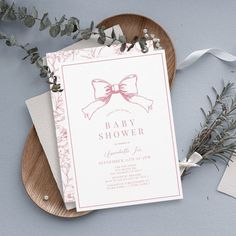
column 191, row 162
column 194, row 56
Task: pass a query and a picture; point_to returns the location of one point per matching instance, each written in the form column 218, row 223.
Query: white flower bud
column 152, row 36
column 155, row 40
column 145, row 31
column 45, row 198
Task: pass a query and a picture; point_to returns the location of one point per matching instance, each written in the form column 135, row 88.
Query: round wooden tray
column 36, row 174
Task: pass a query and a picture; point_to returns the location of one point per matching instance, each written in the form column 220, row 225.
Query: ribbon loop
column 191, row 162
column 194, row 56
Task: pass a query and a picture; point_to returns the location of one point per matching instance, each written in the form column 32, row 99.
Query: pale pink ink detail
column 103, row 92
column 55, row 62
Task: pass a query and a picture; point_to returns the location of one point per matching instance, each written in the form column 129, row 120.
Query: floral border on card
column 55, row 61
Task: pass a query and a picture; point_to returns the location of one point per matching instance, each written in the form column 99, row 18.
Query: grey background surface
column 192, row 25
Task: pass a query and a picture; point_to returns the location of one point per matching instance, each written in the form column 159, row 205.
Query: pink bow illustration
column 103, row 92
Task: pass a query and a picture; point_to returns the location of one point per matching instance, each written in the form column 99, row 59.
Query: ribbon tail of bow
column 191, row 162
column 141, row 101
column 91, row 108
column 194, row 56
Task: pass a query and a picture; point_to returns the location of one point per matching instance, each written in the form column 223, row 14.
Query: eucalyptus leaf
column 45, row 67
column 8, row 43
column 63, row 31
column 43, row 73
column 32, row 50
column 7, row 13
column 34, row 58
column 63, row 18
column 54, row 89
column 122, row 39
column 101, row 40
column 130, row 47
column 3, row 36
column 29, row 21
column 123, row 47
column 92, row 25
column 143, row 44
column 102, row 32
column 11, row 41
column 113, row 34
column 11, row 14
column 39, row 62
column 133, row 42
column 86, row 34
column 22, row 11
column 45, row 22
column 35, row 12
column 75, row 29
column 75, row 36
column 75, row 22
column 55, row 30
column 68, row 30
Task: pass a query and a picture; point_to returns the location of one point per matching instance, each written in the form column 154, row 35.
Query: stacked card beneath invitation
column 115, row 140
column 40, row 109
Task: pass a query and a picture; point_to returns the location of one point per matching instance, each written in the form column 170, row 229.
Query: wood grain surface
column 38, row 179
column 36, row 174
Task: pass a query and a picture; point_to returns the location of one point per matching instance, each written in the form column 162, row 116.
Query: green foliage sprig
column 35, row 58
column 62, row 27
column 217, row 137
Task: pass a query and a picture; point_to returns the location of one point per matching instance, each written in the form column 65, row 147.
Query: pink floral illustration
column 55, row 61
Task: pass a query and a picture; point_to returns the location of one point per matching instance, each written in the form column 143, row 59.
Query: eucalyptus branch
column 64, row 27
column 35, row 58
column 67, row 26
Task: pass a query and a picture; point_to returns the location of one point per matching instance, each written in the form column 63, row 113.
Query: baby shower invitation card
column 114, row 127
